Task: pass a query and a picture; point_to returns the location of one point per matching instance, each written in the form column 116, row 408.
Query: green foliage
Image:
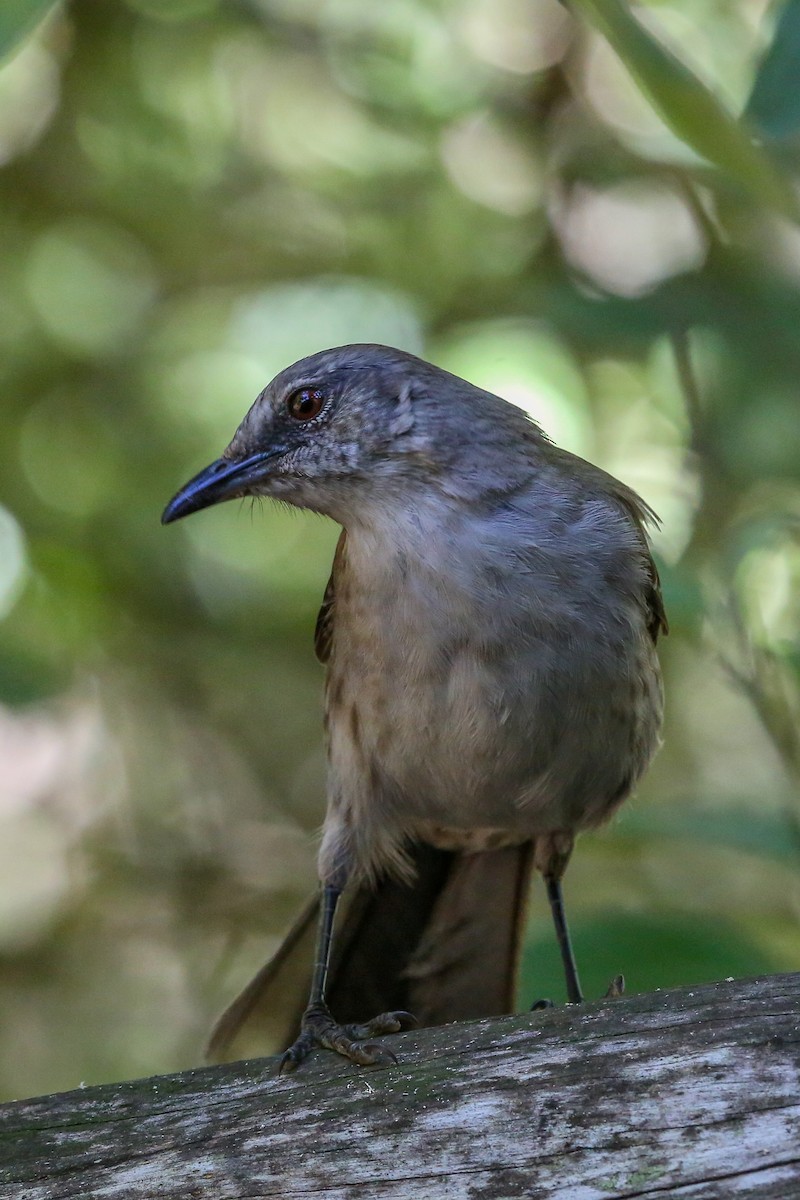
column 17, row 19
column 774, row 104
column 652, row 950
column 553, row 204
column 690, row 110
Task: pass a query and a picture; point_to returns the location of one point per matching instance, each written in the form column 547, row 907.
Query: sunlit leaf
column 687, row 107
column 774, row 104
column 17, row 19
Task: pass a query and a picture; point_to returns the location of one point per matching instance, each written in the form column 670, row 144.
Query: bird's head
column 337, row 423
column 363, row 428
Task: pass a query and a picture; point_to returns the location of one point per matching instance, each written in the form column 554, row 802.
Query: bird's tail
column 445, row 946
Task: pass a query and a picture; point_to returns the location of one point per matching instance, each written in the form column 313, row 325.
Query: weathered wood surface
column 691, row 1093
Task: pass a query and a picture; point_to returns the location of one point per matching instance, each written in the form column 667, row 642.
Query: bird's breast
column 464, row 691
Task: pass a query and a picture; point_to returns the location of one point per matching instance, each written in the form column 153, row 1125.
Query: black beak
column 222, row 480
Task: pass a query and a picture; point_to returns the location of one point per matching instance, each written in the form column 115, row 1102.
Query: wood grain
column 687, row 1093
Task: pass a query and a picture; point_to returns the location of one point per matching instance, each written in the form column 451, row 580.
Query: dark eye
column 305, row 404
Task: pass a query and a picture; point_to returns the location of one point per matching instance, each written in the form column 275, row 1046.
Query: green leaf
column 767, row 834
column 774, row 104
column 652, row 950
column 688, row 108
column 17, row 19
column 27, row 677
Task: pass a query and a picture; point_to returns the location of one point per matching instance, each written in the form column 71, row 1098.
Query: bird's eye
column 305, row 403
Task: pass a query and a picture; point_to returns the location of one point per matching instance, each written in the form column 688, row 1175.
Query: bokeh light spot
column 516, row 35
column 28, row 99
column 13, row 561
column 491, row 166
column 212, row 389
column 91, row 283
column 35, row 878
column 630, row 237
column 287, row 322
column 769, row 581
column 68, row 461
column 530, row 368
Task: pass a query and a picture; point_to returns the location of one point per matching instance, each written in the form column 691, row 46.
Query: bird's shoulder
column 323, row 632
column 565, row 483
column 562, row 484
column 642, row 518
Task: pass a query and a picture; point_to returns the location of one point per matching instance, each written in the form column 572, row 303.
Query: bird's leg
column 318, row 1026
column 551, row 857
column 556, row 898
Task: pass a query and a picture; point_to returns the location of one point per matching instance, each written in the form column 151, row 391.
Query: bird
column 492, row 689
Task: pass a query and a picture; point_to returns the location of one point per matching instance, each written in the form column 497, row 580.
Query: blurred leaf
column 175, row 228
column 755, row 312
column 692, row 112
column 774, row 104
column 683, row 597
column 17, row 19
column 26, row 678
column 770, row 835
column 652, row 951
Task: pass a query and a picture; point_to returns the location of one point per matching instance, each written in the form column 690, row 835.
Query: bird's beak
column 221, row 480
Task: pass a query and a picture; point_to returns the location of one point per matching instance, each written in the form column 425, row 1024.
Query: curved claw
column 388, row 1022
column 320, row 1029
column 291, row 1058
column 380, row 1055
column 371, row 1054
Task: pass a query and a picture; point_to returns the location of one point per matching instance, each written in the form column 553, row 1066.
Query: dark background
column 192, row 195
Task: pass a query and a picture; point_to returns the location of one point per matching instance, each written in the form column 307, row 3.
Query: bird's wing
column 323, row 633
column 657, row 622
column 637, row 511
column 644, row 516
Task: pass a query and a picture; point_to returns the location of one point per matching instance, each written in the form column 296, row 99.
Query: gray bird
column 493, row 688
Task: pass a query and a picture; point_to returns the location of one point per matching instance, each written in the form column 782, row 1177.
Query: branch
column 691, row 1093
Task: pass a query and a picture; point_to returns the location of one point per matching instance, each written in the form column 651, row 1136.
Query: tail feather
column 445, row 946
column 263, row 1016
column 465, row 965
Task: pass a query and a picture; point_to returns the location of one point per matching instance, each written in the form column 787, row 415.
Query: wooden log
column 688, row 1093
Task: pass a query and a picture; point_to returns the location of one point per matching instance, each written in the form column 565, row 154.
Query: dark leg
column 318, row 1025
column 554, row 895
column 322, row 956
column 574, row 993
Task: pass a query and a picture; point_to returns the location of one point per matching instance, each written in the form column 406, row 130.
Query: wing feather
column 323, row 633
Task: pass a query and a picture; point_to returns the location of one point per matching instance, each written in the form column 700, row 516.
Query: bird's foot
column 318, row 1028
column 615, row 989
